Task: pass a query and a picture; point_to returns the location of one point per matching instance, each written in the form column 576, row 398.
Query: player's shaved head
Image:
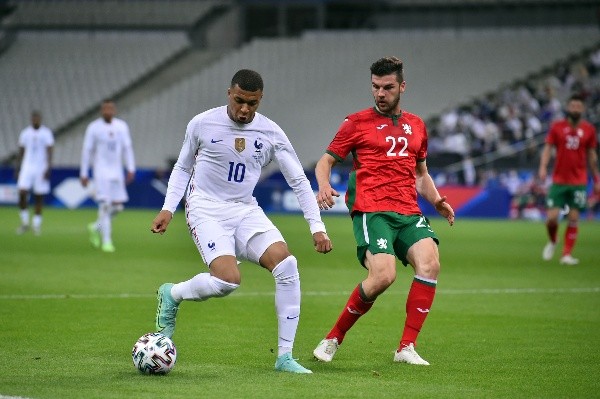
column 247, row 80
column 387, row 66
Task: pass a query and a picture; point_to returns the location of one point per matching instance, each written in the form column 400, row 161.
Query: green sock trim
column 431, row 283
column 363, row 296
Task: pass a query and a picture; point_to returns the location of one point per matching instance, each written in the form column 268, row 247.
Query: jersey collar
column 394, row 117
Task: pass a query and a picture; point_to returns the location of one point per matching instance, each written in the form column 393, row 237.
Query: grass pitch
column 504, row 324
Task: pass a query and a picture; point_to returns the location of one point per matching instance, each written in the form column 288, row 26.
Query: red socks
column 570, row 238
column 418, row 303
column 355, row 307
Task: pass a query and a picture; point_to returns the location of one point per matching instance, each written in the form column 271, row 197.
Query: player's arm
column 323, row 174
column 19, row 160
column 178, row 180
column 129, row 157
column 49, row 152
column 544, row 161
column 292, row 170
column 86, row 154
column 593, row 162
column 426, row 188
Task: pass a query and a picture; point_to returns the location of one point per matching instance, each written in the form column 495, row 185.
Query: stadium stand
column 312, row 82
column 90, row 14
column 65, row 73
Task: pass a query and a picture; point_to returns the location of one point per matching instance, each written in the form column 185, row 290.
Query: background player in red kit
column 575, row 142
column 389, row 147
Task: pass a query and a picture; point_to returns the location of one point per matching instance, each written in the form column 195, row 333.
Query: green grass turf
column 504, row 323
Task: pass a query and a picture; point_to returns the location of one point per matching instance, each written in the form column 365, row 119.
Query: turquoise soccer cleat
column 287, row 363
column 166, row 312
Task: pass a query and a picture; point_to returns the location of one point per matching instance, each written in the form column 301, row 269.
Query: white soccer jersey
column 108, row 146
column 35, row 143
column 225, row 159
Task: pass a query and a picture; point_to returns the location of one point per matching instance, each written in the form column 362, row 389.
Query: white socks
column 201, row 287
column 287, row 302
column 104, row 222
column 24, row 214
column 287, row 297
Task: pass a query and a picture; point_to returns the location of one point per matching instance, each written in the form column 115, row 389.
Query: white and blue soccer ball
column 154, row 353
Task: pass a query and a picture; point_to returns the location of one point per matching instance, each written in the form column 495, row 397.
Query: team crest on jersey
column 240, row 144
column 257, row 149
column 580, row 132
column 407, row 129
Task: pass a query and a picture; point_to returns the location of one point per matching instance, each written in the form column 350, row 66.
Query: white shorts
column 240, row 230
column 110, row 191
column 33, row 179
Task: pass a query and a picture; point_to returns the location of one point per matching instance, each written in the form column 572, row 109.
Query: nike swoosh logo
column 292, row 318
column 215, row 141
column 423, row 310
column 353, row 311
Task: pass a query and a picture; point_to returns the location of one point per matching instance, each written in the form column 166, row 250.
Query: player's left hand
column 161, row 221
column 130, row 177
column 322, row 242
column 445, row 210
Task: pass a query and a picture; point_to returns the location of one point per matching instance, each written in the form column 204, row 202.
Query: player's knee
column 385, row 278
column 429, row 269
column 286, row 272
column 222, row 288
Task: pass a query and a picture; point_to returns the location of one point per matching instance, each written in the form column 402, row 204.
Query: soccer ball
column 154, row 353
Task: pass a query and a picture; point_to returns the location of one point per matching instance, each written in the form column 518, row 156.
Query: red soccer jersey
column 385, row 150
column 572, row 144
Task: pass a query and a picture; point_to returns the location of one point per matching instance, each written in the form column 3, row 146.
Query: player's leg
column 372, row 233
column 105, row 226
column 577, row 203
column 114, row 196
column 23, row 212
column 224, row 277
column 423, row 256
column 555, row 201
column 259, row 241
column 41, row 187
column 24, row 185
column 37, row 216
column 416, row 244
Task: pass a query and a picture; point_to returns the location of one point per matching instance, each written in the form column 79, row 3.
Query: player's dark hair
column 247, row 80
column 577, row 97
column 387, row 66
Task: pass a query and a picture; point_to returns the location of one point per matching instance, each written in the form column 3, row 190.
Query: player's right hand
column 325, row 197
column 161, row 221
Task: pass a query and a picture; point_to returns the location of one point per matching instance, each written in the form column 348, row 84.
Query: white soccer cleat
column 410, row 356
column 548, row 251
column 568, row 260
column 326, row 349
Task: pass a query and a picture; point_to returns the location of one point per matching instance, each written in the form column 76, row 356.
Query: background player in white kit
column 107, row 144
column 34, row 165
column 223, row 153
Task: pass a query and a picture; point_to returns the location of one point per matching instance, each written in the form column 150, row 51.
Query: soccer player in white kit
column 107, row 146
column 223, row 153
column 33, row 169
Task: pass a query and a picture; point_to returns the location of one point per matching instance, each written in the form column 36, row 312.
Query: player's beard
column 387, row 108
column 574, row 117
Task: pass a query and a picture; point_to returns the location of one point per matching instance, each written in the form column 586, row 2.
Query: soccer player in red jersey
column 575, row 141
column 389, row 147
